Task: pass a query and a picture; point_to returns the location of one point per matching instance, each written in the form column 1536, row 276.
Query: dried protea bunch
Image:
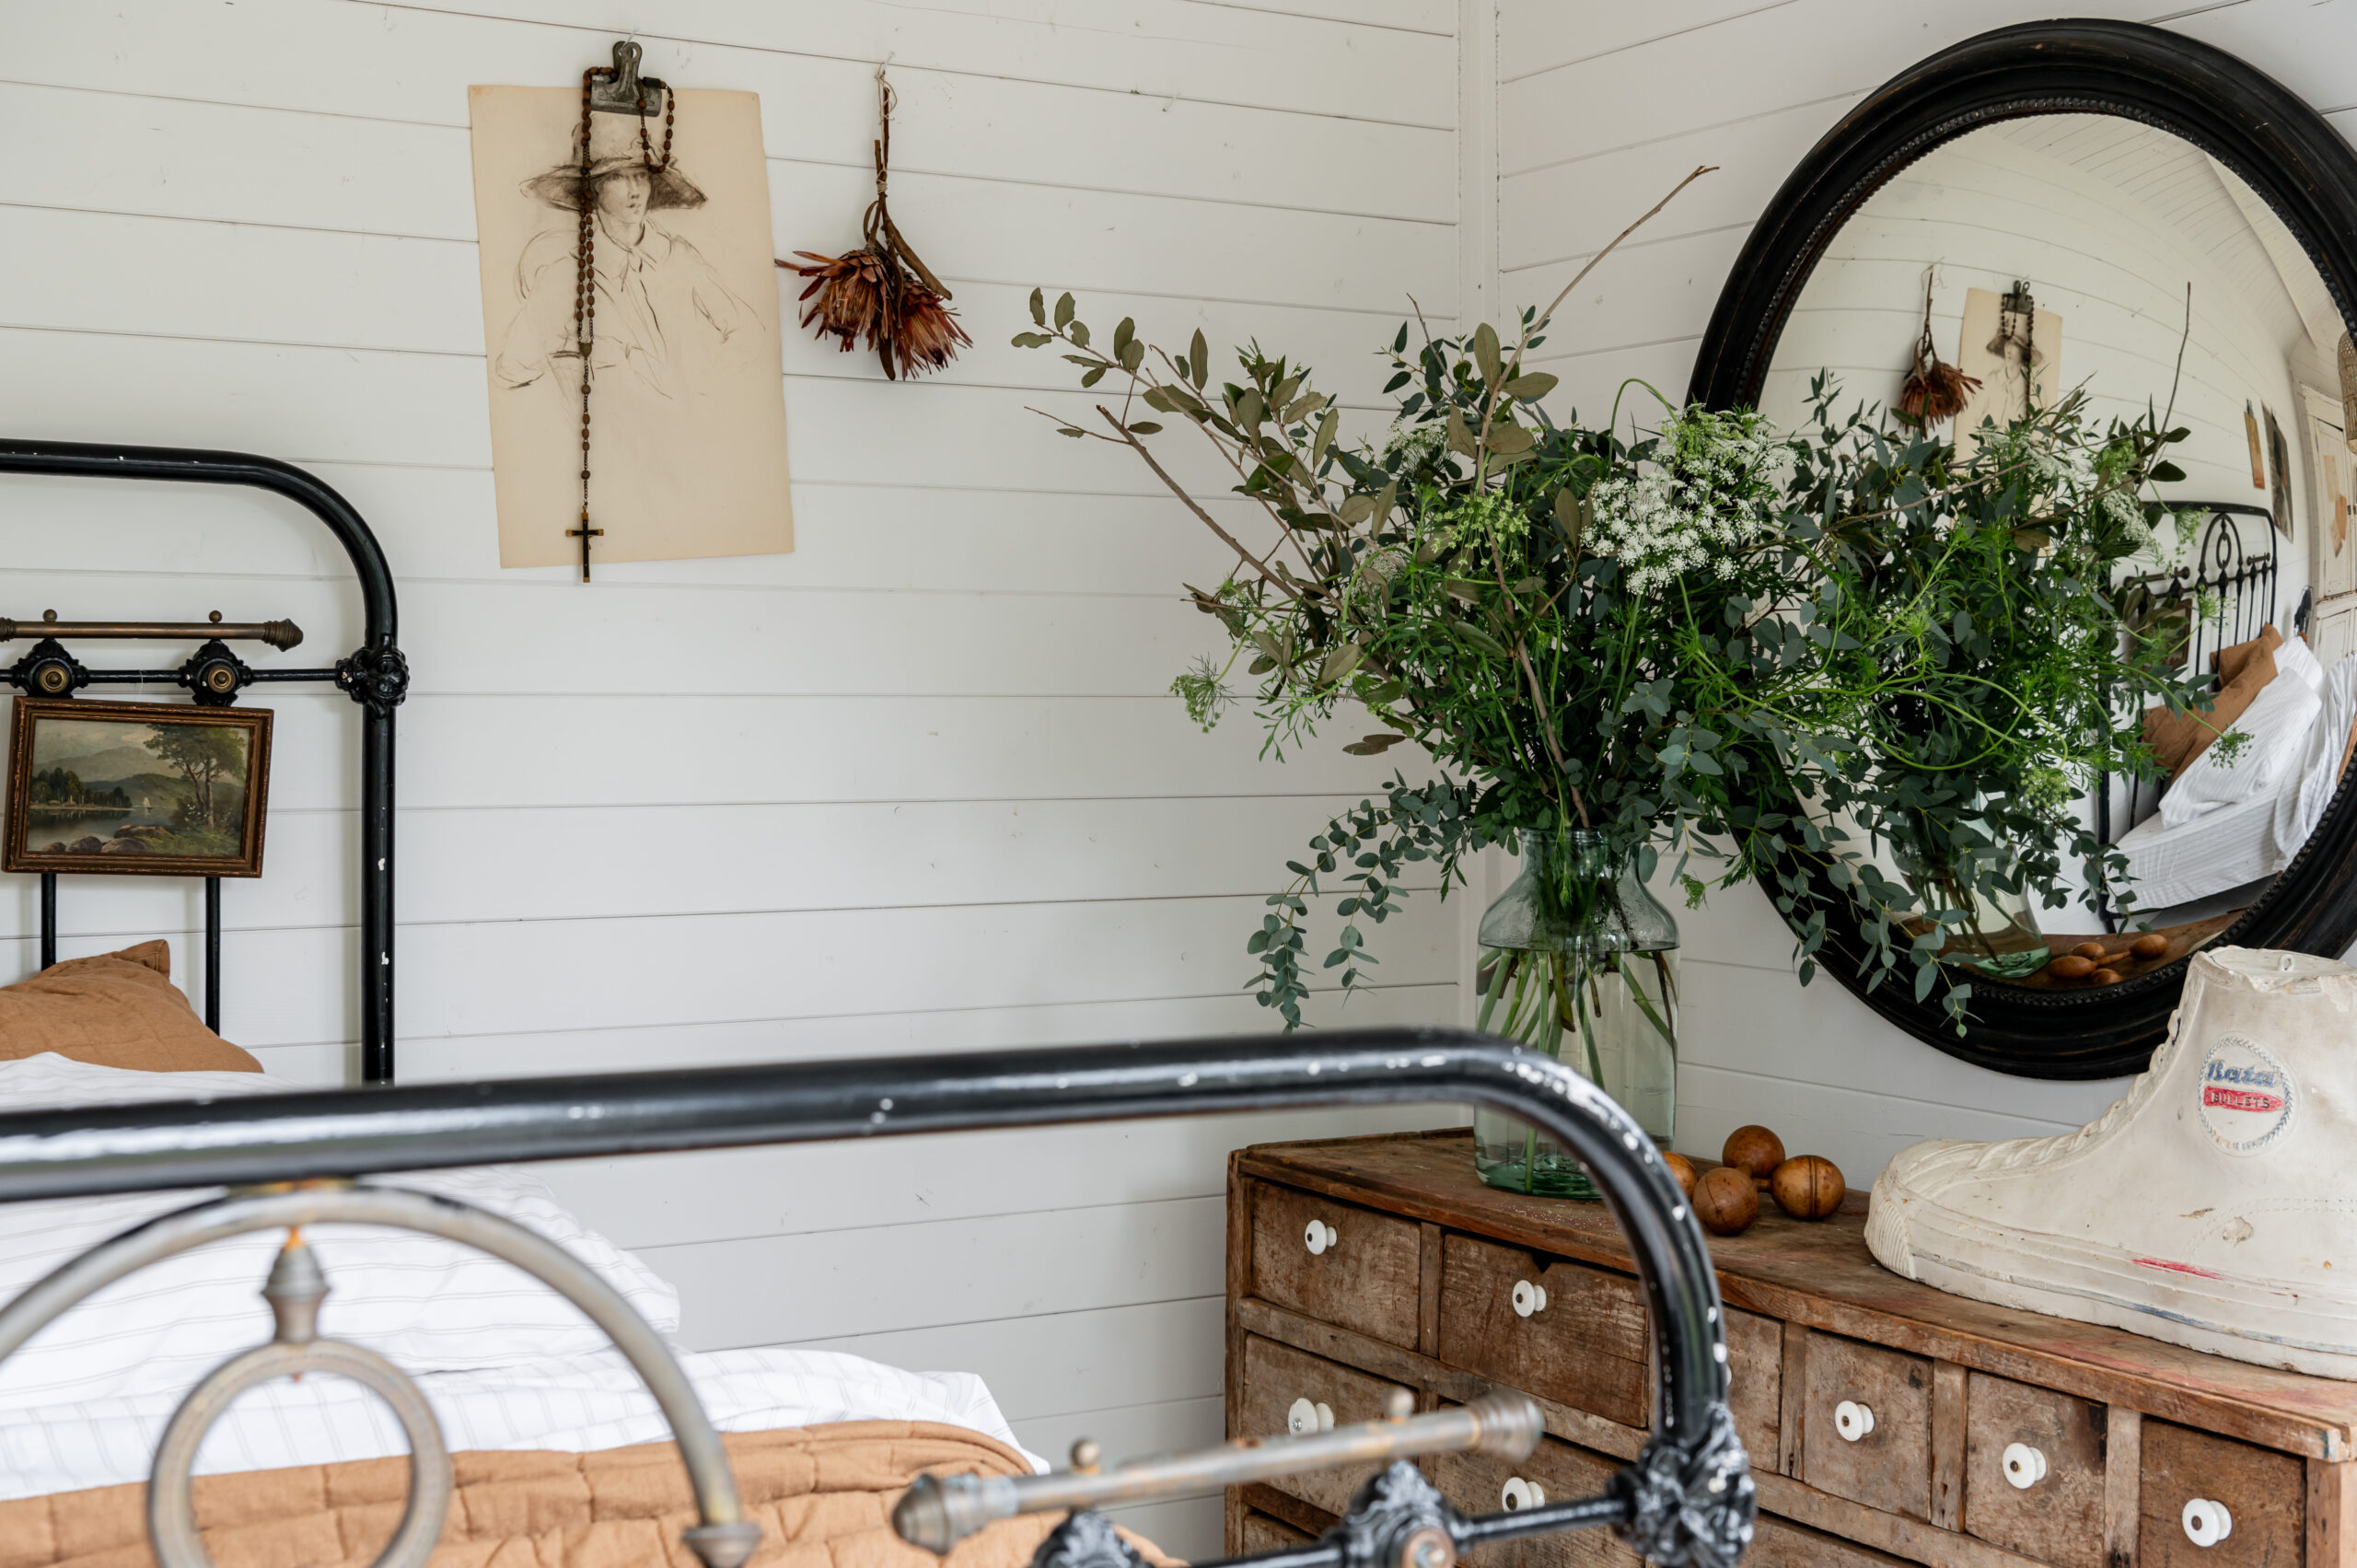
column 924, row 333
column 850, row 293
column 1935, row 391
column 883, row 291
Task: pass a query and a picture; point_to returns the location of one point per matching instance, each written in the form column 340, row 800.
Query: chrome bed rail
column 292, row 1159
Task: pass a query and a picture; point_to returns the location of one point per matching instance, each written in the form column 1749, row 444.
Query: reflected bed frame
column 2243, row 584
column 373, row 675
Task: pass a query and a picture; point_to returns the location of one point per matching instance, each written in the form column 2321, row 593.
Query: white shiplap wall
column 916, row 786
column 1601, row 108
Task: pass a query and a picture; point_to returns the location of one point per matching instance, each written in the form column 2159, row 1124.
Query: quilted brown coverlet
column 823, row 1497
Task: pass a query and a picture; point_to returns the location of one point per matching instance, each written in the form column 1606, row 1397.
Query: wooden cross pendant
column 584, row 533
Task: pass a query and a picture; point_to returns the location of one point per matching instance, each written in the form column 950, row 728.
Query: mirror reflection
column 2084, row 257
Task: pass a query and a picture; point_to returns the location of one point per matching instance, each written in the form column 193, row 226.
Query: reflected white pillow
column 2277, row 721
column 2294, row 658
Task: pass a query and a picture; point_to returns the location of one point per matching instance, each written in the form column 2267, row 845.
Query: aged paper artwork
column 687, row 451
column 2018, row 360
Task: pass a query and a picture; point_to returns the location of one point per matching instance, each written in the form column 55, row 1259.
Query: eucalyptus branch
column 1190, row 504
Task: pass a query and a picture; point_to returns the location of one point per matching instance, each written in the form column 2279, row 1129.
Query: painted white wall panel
column 918, row 786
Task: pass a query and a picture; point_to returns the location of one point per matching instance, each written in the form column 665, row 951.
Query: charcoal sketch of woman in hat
column 658, row 299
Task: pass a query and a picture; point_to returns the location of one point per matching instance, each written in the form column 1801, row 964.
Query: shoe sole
column 2244, row 1318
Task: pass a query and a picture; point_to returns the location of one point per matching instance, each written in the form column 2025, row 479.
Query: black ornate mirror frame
column 2303, row 169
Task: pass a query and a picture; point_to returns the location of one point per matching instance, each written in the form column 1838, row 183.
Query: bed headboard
column 2241, row 581
column 373, row 675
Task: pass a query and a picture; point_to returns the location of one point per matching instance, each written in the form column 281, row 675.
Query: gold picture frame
column 182, row 791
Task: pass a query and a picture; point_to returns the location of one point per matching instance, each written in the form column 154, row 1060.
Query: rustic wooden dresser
column 1996, row 1438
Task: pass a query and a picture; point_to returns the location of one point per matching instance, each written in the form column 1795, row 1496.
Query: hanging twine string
column 883, row 291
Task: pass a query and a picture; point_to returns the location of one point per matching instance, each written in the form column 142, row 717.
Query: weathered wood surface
column 1891, row 1467
column 2265, row 1491
column 1240, row 1286
column 1448, row 1383
column 1756, row 1383
column 2332, row 1514
column 2060, row 1518
column 1895, row 1533
column 1585, row 1347
column 1777, row 1544
column 1274, row 1376
column 2123, row 1462
column 2183, row 940
column 1821, row 1276
column 1947, row 1445
column 1475, row 1484
column 1365, row 1279
column 1260, row 1532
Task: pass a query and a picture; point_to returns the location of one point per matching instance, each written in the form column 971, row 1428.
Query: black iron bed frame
column 291, row 1160
column 375, row 675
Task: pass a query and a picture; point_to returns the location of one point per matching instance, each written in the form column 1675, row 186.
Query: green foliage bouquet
column 1764, row 654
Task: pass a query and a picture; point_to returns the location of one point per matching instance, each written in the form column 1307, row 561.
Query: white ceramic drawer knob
column 1318, row 1236
column 1305, row 1417
column 1518, row 1494
column 2207, row 1523
column 1528, row 1299
column 1852, row 1420
column 2025, row 1466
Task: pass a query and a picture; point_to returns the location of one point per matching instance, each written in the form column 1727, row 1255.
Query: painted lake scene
column 116, row 787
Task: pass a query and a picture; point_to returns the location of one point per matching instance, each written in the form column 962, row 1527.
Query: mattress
column 2230, row 846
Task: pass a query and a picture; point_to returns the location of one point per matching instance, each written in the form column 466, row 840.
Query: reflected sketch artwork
column 686, row 392
column 2016, row 356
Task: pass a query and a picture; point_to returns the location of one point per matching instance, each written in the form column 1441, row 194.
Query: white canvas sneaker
column 2214, row 1204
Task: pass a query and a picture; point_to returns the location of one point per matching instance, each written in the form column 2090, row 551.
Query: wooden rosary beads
column 584, row 291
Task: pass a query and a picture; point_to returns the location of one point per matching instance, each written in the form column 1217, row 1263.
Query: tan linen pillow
column 114, row 1010
column 2178, row 739
column 2228, row 662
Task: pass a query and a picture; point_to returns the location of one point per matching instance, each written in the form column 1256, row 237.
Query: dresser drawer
column 1478, row 1484
column 2263, row 1492
column 1887, row 1465
column 1261, row 1533
column 1276, row 1379
column 1358, row 1270
column 1779, row 1543
column 1585, row 1347
column 2016, row 1434
column 1756, row 1382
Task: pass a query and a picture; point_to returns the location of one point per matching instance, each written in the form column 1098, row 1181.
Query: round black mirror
column 2037, row 206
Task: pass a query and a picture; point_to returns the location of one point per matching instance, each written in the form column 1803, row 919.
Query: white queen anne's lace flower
column 1715, row 489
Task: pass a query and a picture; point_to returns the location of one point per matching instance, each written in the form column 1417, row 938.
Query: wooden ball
column 2105, row 977
column 2070, row 966
column 2152, row 944
column 1726, row 1200
column 1683, row 1170
column 2089, row 950
column 1754, row 1150
column 1808, row 1187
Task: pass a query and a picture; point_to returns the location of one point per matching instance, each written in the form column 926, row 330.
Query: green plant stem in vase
column 1579, row 961
column 1991, row 920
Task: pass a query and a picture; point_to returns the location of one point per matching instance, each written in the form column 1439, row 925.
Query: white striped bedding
column 506, row 1361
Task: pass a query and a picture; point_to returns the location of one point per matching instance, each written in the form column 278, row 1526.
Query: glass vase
column 1579, row 961
column 1999, row 935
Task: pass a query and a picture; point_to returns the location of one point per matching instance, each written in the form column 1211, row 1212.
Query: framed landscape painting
column 140, row 788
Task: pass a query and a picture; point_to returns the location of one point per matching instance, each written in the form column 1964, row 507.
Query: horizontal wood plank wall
column 919, row 785
column 1601, row 108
